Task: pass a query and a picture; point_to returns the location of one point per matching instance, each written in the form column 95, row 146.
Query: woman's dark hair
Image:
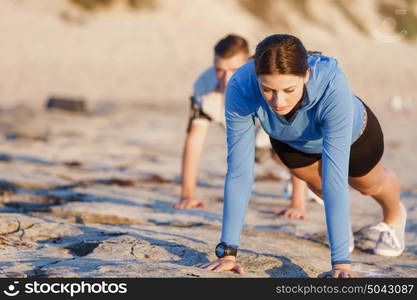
column 281, row 53
column 231, row 45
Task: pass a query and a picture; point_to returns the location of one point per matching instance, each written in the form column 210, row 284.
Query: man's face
column 225, row 67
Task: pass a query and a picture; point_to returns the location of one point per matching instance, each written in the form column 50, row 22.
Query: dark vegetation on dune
column 273, row 12
column 94, row 4
column 270, row 13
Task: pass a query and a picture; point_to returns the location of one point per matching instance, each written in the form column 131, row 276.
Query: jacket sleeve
column 240, row 162
column 337, row 122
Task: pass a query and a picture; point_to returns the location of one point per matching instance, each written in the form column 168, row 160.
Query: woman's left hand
column 339, row 271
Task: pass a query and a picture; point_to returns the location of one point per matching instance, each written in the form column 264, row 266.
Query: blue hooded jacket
column 328, row 122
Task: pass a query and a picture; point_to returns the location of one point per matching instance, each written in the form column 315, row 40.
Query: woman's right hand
column 227, row 263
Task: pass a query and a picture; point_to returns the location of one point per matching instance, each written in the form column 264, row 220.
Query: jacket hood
column 322, row 71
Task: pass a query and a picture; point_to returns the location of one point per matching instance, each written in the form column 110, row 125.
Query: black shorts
column 365, row 152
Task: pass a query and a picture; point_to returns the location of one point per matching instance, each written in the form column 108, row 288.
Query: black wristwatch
column 223, row 250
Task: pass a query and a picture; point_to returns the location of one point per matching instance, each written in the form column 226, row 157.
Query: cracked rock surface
column 93, row 196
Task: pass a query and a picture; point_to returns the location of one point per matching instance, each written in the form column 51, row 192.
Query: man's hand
column 292, row 213
column 187, row 203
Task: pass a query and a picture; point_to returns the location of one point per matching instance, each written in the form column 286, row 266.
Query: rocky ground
column 90, row 194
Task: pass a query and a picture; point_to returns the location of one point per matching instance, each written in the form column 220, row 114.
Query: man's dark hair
column 230, row 46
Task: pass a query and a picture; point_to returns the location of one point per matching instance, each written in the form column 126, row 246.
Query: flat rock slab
column 95, row 200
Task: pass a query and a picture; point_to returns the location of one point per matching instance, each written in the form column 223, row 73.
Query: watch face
column 220, row 251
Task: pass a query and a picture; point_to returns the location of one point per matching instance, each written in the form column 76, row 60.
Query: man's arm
column 193, row 147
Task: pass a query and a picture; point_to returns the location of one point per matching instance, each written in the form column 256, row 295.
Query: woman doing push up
column 324, row 134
